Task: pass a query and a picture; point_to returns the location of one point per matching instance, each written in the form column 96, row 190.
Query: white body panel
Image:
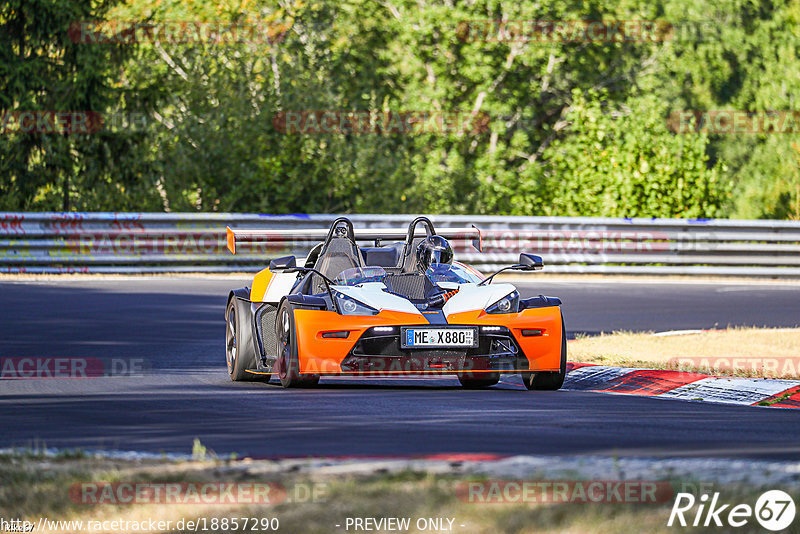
column 470, row 297
column 279, row 286
column 474, row 297
column 373, row 294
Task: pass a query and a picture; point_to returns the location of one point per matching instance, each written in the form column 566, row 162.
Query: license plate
column 438, row 337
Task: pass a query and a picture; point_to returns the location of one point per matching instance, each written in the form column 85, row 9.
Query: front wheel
column 288, row 362
column 549, row 380
column 239, row 352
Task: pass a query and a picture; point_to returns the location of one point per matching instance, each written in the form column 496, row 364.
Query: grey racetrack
column 175, row 327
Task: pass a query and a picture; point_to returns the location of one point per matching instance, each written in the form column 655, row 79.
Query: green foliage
column 573, row 128
column 42, row 69
column 747, row 59
column 627, row 163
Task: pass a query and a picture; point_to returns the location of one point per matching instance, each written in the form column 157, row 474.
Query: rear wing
column 236, row 236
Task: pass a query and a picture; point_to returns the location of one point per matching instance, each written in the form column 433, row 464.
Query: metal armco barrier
column 195, row 242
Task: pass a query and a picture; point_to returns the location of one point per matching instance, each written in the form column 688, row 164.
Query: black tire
column 288, row 363
column 477, row 381
column 550, row 380
column 240, row 354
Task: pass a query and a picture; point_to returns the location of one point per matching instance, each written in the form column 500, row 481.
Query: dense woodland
column 567, row 126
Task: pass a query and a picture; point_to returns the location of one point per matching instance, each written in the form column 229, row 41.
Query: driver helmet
column 433, row 251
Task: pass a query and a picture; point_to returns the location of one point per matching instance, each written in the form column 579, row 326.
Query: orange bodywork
column 260, row 285
column 542, row 352
column 325, row 355
column 319, row 355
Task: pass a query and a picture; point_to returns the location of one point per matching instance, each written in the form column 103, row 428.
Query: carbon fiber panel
column 412, row 286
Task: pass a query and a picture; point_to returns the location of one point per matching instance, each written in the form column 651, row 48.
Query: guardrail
column 195, row 242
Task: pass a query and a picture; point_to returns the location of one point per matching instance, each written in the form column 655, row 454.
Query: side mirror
column 530, row 262
column 281, row 264
column 527, row 262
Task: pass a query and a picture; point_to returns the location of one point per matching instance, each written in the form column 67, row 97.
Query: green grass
column 35, row 486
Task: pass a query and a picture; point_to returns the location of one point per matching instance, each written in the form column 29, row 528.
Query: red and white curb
column 776, row 393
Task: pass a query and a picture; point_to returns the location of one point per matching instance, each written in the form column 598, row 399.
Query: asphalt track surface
column 175, row 327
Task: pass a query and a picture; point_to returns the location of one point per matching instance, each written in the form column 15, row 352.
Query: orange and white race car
column 400, row 308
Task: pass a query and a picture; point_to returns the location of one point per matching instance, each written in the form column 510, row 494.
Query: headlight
column 507, row 304
column 350, row 306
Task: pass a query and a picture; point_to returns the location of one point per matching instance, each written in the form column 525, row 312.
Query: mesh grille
column 267, row 320
column 412, row 286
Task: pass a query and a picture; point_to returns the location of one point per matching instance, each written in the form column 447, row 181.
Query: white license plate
column 438, row 337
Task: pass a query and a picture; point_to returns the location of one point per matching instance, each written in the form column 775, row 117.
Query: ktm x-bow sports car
column 400, row 308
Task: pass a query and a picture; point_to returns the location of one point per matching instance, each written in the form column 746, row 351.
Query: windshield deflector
column 360, row 275
column 451, row 273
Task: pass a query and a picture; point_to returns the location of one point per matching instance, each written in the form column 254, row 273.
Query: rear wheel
column 239, row 352
column 288, row 362
column 549, row 380
column 475, row 381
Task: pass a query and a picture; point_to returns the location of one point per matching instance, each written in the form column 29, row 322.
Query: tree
column 626, row 162
column 42, row 69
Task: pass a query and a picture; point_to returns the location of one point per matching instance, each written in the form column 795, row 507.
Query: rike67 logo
column 774, row 510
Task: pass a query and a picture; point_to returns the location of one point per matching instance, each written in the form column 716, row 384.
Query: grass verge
column 37, row 487
column 746, row 352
